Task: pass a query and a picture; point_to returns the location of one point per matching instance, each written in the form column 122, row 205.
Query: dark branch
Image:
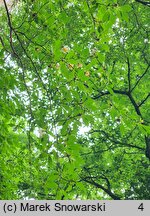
column 112, row 139
column 10, row 27
column 147, row 152
column 143, row 2
column 2, row 42
column 129, row 71
column 8, row 16
column 144, row 100
column 18, row 38
column 109, row 192
column 100, row 95
column 140, row 78
column 107, row 93
column 135, row 105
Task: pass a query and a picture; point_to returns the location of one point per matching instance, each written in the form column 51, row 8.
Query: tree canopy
column 75, row 99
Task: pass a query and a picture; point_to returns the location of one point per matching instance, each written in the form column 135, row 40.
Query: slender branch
column 116, row 141
column 8, row 15
column 140, row 78
column 18, row 38
column 106, row 190
column 31, row 40
column 143, row 2
column 33, row 64
column 129, row 74
column 100, row 151
column 100, row 95
column 2, row 42
column 10, row 27
column 108, row 93
column 144, row 100
column 108, row 182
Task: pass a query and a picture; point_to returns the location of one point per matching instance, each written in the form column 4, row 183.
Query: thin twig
column 144, row 100
column 143, row 2
column 129, row 74
column 145, row 72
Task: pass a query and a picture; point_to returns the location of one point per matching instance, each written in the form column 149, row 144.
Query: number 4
column 141, row 207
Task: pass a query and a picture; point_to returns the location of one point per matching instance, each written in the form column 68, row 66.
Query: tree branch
column 129, row 71
column 135, row 105
column 140, row 78
column 144, row 100
column 2, row 42
column 10, row 27
column 107, row 93
column 147, row 152
column 106, row 190
column 143, row 2
column 14, row 52
column 109, row 137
